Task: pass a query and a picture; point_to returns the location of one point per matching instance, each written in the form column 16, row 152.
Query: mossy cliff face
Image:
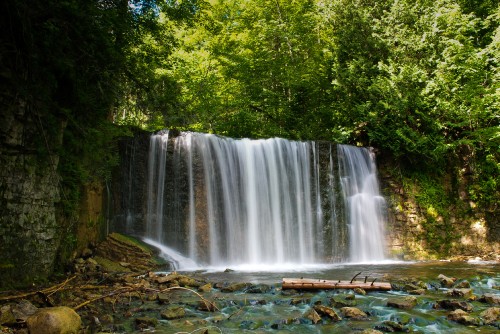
column 432, row 214
column 29, row 235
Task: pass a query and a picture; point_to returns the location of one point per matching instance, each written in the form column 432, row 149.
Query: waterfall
column 365, row 206
column 222, row 201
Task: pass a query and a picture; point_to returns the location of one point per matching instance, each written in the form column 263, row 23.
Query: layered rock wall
column 29, row 189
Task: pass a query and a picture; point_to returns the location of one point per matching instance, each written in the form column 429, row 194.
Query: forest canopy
column 418, row 79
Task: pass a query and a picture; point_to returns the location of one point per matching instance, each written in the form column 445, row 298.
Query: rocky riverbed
column 111, row 293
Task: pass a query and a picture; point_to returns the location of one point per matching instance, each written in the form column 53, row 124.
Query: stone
column 417, row 292
column 312, row 315
column 371, row 331
column 464, row 284
column 447, row 282
column 339, row 302
column 23, row 310
column 205, row 288
column 392, row 326
column 54, row 320
column 462, row 317
column 353, row 313
column 490, row 315
column 299, row 300
column 173, row 312
column 490, row 298
column 163, row 298
column 206, row 306
column 185, row 281
column 327, row 311
column 406, row 303
column 258, row 288
column 6, row 315
column 235, row 287
column 145, row 322
column 360, row 291
column 452, row 304
column 463, row 293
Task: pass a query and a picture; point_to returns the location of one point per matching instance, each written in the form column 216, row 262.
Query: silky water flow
column 219, row 201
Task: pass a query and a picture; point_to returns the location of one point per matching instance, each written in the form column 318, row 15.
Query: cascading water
column 222, row 201
column 365, row 206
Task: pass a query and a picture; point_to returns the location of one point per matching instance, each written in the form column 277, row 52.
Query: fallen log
column 319, row 284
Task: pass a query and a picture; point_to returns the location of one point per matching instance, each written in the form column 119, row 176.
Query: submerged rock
column 447, row 282
column 312, row 315
column 258, row 288
column 406, row 303
column 491, row 315
column 340, row 302
column 391, row 326
column 327, row 311
column 462, row 317
column 145, row 322
column 353, row 312
column 464, row 284
column 490, row 298
column 205, row 288
column 451, row 304
column 235, row 287
column 54, row 320
column 173, row 312
column 371, row 331
column 463, row 293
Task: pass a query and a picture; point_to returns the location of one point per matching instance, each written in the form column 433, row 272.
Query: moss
column 132, row 242
column 434, row 202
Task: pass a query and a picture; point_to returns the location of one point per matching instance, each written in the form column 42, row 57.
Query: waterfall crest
column 220, row 201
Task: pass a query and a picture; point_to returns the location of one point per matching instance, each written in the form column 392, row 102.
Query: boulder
column 451, row 304
column 491, row 315
column 406, row 303
column 173, row 312
column 353, row 312
column 327, row 311
column 54, row 320
column 490, row 298
column 462, row 317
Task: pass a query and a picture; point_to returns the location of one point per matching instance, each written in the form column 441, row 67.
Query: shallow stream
column 282, row 311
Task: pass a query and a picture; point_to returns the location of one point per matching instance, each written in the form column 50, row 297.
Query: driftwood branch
column 355, row 276
column 45, row 292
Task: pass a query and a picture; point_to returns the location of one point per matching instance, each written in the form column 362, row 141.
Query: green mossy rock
column 54, row 320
